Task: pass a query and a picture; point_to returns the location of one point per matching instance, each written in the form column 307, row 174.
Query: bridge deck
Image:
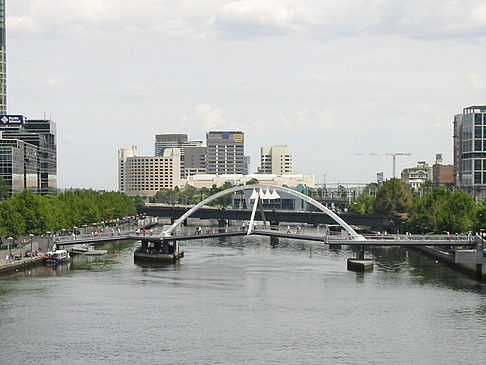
column 378, row 241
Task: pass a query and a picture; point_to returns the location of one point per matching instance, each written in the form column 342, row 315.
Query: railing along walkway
column 294, row 232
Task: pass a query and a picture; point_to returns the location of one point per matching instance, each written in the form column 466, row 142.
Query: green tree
column 12, row 222
column 252, row 181
column 393, row 197
column 363, row 205
column 139, row 203
column 459, row 213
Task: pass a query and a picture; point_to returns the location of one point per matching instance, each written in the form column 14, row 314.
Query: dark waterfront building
column 470, row 151
column 28, row 154
column 3, row 60
column 225, row 152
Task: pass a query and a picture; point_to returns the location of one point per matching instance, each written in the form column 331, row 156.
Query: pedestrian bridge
column 262, row 192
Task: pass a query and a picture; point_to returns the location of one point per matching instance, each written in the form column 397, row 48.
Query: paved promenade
column 19, row 263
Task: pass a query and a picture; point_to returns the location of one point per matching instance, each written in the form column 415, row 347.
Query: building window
column 477, row 165
column 478, row 132
column 477, row 177
column 478, row 119
column 477, row 145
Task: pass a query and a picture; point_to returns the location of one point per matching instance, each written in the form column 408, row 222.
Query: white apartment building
column 276, row 160
column 416, row 176
column 146, row 175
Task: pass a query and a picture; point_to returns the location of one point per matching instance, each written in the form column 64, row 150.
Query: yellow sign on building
column 238, row 137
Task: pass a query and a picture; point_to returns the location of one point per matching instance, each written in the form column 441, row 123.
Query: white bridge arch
column 292, row 192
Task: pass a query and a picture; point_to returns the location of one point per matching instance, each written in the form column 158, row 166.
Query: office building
column 146, row 175
column 470, row 151
column 276, row 160
column 3, row 60
column 180, row 141
column 123, row 154
column 194, row 161
column 246, row 165
column 18, row 165
column 225, row 151
column 38, row 135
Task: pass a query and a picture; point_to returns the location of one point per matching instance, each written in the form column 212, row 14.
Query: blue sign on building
column 12, row 119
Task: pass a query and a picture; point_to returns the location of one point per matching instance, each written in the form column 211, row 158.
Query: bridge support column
column 274, row 241
column 479, row 272
column 184, row 222
column 360, row 264
column 274, row 226
column 360, row 253
column 221, row 225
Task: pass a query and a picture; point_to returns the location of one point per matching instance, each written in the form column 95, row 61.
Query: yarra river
column 242, row 301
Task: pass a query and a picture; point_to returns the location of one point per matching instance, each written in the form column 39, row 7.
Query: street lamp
column 48, row 234
column 31, row 236
column 10, row 242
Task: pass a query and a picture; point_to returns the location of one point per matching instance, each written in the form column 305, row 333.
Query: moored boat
column 56, row 257
column 158, row 251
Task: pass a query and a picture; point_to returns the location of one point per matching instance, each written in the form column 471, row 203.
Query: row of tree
column 27, row 212
column 433, row 209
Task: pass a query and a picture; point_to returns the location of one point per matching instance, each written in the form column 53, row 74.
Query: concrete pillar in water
column 221, row 225
column 360, row 264
column 274, row 241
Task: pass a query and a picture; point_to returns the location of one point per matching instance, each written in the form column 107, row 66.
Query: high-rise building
column 146, row 175
column 123, row 154
column 470, row 150
column 3, row 60
column 225, row 152
column 38, row 136
column 194, row 161
column 180, row 141
column 246, row 165
column 276, row 160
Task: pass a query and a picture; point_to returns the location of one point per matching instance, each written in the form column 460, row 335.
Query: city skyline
column 340, row 78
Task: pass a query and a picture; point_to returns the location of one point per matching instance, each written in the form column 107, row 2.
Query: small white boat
column 92, row 252
column 56, row 257
column 88, row 250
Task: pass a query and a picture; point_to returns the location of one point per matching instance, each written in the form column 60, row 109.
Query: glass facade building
column 470, row 150
column 37, row 140
column 3, row 60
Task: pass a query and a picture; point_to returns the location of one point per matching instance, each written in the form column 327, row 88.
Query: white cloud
column 23, row 24
column 475, row 81
column 251, row 18
column 212, row 118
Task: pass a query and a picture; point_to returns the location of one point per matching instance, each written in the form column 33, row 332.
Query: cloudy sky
column 331, row 78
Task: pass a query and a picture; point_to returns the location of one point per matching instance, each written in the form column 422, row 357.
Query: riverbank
column 25, row 263
column 470, row 262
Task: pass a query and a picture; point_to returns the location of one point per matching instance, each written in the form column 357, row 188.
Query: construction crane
column 393, row 154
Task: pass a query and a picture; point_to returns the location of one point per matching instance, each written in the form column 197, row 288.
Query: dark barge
column 158, row 251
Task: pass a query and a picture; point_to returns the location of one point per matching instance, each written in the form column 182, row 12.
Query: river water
column 242, row 301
